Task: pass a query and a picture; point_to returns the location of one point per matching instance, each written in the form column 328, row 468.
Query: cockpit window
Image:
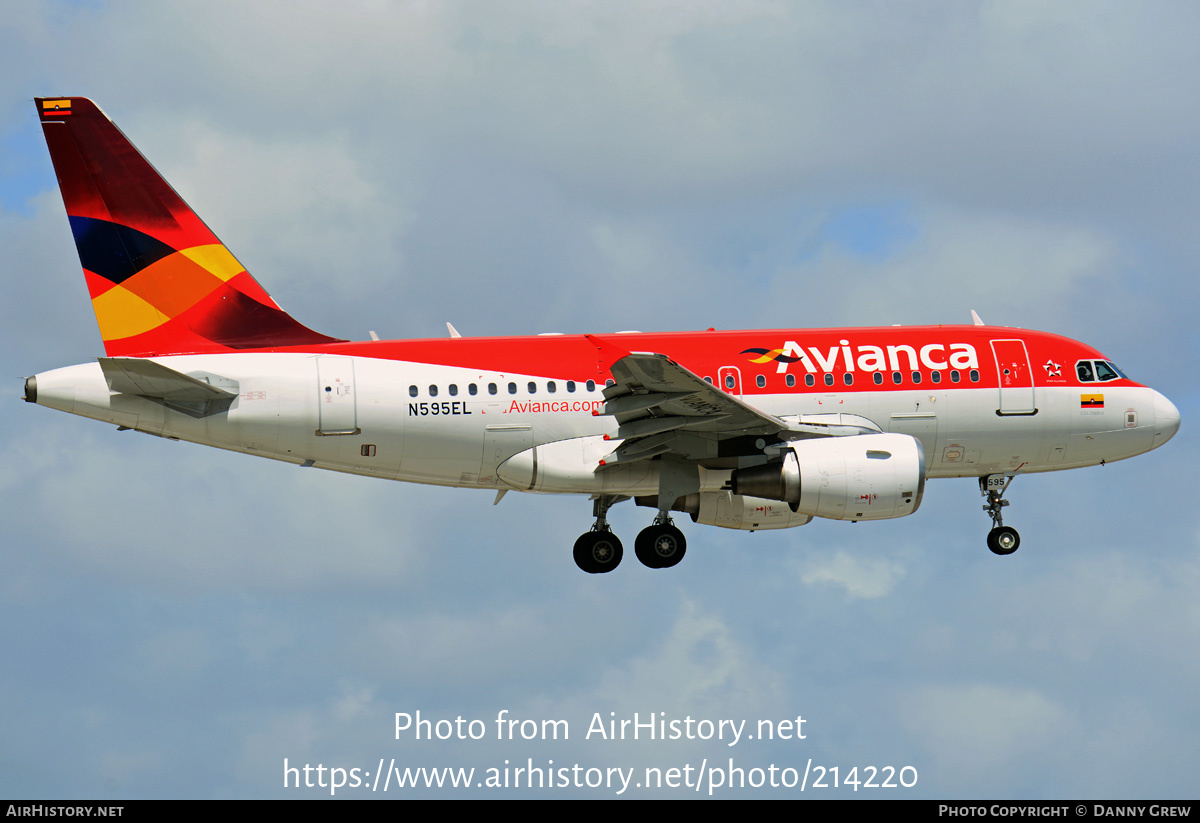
column 1097, row 370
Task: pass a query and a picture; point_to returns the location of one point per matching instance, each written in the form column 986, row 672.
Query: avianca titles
column 740, row 429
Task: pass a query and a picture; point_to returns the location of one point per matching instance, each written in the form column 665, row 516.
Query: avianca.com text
column 517, row 407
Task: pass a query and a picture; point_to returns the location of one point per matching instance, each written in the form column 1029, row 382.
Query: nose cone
column 1166, row 420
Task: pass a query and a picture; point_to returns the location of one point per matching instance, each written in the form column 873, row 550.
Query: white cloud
column 866, row 578
column 972, row 731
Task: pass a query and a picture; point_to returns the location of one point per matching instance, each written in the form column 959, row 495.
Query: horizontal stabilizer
column 195, row 396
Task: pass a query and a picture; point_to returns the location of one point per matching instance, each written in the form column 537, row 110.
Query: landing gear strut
column 599, row 551
column 1001, row 539
column 660, row 545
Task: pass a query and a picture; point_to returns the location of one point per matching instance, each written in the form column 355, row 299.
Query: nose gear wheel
column 1001, row 539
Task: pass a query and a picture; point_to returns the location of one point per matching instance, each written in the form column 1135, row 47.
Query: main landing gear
column 599, row 551
column 1001, row 539
column 659, row 545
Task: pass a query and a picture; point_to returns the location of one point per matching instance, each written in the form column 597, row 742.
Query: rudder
column 160, row 281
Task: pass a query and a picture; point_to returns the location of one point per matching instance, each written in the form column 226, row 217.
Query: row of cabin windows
column 810, row 380
column 473, row 389
column 848, row 378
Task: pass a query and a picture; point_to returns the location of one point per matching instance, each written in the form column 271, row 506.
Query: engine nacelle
column 733, row 511
column 862, row 477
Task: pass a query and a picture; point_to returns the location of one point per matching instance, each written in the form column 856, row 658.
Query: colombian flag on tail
column 56, row 108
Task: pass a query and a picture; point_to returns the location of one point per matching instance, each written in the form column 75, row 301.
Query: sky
column 177, row 621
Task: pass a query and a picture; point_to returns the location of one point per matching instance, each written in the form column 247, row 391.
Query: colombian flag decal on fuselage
column 1091, row 401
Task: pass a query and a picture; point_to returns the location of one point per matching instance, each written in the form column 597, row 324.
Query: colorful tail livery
column 160, row 281
column 751, row 430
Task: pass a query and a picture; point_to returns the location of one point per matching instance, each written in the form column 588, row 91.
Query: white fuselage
column 359, row 415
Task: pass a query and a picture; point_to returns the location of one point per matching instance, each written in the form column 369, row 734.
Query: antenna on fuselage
column 976, row 320
column 453, row 331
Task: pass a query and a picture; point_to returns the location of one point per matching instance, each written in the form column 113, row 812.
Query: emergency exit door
column 338, row 412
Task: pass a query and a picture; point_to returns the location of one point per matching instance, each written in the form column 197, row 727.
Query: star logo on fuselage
column 1052, row 369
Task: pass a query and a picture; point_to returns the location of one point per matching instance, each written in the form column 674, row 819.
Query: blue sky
column 178, row 621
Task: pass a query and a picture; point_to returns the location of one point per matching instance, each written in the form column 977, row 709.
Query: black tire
column 598, row 552
column 1003, row 540
column 660, row 547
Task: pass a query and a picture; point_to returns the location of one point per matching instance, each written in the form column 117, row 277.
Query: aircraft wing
column 662, row 407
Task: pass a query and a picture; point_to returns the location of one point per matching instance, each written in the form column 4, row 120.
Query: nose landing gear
column 1001, row 539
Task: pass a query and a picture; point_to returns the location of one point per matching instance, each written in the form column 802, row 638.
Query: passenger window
column 936, row 377
column 974, row 375
column 433, row 391
column 954, row 376
column 412, row 391
column 878, row 378
column 1084, row 369
column 896, row 377
column 591, row 385
column 916, row 377
column 761, row 381
column 472, row 389
column 848, row 378
column 453, row 389
column 571, row 386
column 729, row 381
column 550, row 387
column 532, row 387
column 708, row 380
column 809, row 380
column 1103, row 372
column 610, row 382
column 492, row 388
column 829, row 380
column 512, row 388
column 791, row 381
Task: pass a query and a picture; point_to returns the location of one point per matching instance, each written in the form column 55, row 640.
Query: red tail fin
column 160, row 281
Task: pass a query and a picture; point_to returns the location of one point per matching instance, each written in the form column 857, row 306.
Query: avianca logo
column 768, row 356
column 843, row 357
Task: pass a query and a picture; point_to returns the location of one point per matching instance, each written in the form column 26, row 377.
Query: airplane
column 739, row 429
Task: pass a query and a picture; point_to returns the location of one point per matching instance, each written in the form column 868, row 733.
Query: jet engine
column 860, row 477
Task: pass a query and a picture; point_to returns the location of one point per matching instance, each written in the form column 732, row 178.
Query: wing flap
column 662, row 408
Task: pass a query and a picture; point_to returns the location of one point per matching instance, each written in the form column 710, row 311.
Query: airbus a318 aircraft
column 740, row 429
